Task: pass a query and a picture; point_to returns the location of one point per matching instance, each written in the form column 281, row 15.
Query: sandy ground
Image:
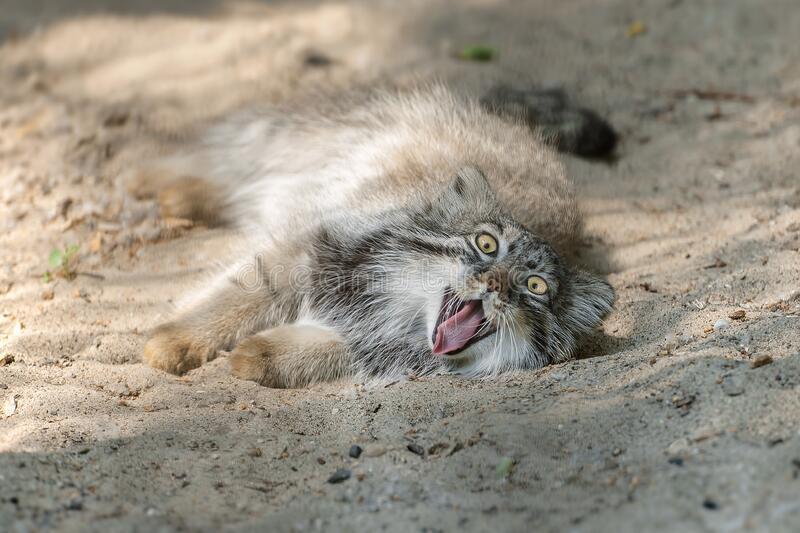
column 665, row 423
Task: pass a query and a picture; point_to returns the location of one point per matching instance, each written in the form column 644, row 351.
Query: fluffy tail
column 572, row 129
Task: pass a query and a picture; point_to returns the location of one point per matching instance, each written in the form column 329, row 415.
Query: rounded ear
column 468, row 193
column 470, row 183
column 584, row 302
column 468, row 190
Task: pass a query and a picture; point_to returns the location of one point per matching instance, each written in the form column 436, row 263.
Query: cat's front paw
column 176, row 349
column 250, row 360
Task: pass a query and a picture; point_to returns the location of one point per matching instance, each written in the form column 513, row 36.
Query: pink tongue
column 454, row 333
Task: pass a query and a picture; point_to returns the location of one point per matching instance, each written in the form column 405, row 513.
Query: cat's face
column 497, row 297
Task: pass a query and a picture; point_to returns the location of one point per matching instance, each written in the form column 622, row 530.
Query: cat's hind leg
column 291, row 356
column 182, row 187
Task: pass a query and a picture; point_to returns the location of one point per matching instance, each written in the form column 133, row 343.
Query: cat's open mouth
column 459, row 325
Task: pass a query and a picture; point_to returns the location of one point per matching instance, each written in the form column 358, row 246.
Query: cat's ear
column 470, row 185
column 584, row 301
column 469, row 189
column 467, row 194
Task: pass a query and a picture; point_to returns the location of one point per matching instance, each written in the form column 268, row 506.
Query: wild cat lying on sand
column 412, row 232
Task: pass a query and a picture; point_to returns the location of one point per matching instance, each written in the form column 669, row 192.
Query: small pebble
column 74, row 504
column 416, row 449
column 738, row 314
column 775, row 441
column 116, row 119
column 721, row 324
column 703, row 433
column 375, row 450
column 10, row 406
column 355, row 451
column 677, row 461
column 316, row 59
column 340, row 475
column 761, row 360
column 678, row 447
column 710, row 504
column 683, row 400
column 438, row 447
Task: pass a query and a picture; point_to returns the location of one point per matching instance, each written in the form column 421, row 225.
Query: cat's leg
column 227, row 314
column 182, row 188
column 292, row 356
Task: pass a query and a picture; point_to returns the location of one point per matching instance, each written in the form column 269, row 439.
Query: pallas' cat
column 410, row 232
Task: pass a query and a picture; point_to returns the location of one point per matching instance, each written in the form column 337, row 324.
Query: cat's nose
column 493, row 285
column 494, row 281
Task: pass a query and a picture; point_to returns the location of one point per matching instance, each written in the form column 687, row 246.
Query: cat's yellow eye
column 537, row 285
column 486, row 243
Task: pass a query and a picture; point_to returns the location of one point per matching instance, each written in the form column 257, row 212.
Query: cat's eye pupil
column 486, row 243
column 537, row 285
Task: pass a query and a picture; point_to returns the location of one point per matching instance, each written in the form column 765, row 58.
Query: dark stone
column 74, row 505
column 416, row 449
column 355, row 451
column 315, row 59
column 340, row 475
column 710, row 504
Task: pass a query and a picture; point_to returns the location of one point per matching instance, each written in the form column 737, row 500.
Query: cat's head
column 497, row 297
